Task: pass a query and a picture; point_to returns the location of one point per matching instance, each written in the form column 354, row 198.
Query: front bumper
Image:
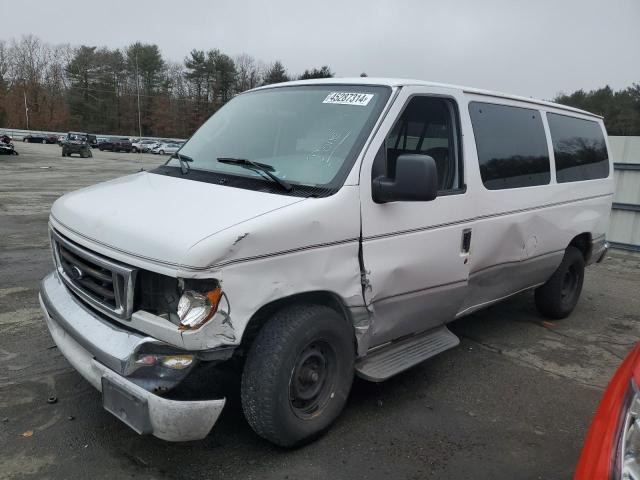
column 100, row 352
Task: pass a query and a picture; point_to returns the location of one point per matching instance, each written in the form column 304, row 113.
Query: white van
column 312, row 230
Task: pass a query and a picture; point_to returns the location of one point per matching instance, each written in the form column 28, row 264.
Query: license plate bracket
column 126, row 405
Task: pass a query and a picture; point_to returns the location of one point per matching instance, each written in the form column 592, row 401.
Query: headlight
column 195, row 308
column 629, row 447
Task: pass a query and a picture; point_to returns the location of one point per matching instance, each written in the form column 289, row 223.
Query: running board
column 398, row 356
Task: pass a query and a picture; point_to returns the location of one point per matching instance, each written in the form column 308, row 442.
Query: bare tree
column 249, row 73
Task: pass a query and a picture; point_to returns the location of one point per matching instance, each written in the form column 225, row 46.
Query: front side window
column 427, row 126
column 309, row 135
column 511, row 144
column 579, row 148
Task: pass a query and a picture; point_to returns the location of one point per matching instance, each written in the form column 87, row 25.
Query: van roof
column 403, row 82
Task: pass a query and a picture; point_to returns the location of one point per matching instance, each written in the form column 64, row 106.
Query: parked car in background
column 77, row 142
column 116, row 144
column 40, row 138
column 143, row 146
column 166, row 148
column 612, row 447
column 93, row 141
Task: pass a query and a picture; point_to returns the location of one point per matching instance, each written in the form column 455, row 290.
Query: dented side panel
column 314, row 247
column 416, row 269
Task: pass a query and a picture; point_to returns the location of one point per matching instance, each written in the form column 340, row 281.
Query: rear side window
column 579, row 148
column 512, row 147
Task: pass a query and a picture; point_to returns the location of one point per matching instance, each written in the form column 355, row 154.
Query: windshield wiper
column 184, row 161
column 261, row 167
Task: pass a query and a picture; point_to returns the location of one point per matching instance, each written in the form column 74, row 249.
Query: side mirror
column 416, row 180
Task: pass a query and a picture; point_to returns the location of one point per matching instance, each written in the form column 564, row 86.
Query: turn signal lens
column 195, row 309
column 175, row 362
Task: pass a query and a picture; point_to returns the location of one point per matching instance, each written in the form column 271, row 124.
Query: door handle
column 466, row 240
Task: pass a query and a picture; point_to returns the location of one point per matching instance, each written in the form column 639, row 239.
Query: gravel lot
column 514, row 400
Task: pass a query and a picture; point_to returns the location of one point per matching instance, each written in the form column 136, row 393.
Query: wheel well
column 259, row 318
column 583, row 243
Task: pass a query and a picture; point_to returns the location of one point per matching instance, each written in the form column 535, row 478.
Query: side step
column 398, row 356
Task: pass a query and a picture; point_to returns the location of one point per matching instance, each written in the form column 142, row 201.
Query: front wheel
column 298, row 374
column 559, row 295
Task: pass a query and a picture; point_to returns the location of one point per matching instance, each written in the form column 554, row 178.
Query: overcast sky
column 528, row 47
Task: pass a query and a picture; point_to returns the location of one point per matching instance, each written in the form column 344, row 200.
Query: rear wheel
column 44, row 141
column 298, row 374
column 161, row 152
column 559, row 295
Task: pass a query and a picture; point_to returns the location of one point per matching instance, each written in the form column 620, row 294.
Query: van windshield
column 310, row 135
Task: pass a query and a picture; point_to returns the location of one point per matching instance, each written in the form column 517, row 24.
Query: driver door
column 416, row 253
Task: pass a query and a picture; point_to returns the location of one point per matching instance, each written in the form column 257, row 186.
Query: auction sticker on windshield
column 349, row 98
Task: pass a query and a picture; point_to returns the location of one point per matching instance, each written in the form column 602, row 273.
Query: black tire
column 559, row 295
column 161, row 152
column 298, row 374
column 89, row 154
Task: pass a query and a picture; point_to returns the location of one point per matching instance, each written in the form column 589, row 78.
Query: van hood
column 159, row 217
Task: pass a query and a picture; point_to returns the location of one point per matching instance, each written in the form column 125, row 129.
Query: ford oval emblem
column 76, row 273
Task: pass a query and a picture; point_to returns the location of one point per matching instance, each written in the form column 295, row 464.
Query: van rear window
column 579, row 148
column 511, row 144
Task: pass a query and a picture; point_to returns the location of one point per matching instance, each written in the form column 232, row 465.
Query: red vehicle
column 612, row 448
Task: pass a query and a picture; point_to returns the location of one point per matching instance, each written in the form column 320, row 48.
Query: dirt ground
column 514, row 400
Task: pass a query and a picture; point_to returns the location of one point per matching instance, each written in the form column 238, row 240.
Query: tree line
column 620, row 109
column 103, row 90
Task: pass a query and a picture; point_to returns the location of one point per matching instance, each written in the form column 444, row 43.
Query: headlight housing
column 627, row 461
column 187, row 303
column 196, row 308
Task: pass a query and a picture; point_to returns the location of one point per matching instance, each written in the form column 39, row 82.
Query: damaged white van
column 314, row 230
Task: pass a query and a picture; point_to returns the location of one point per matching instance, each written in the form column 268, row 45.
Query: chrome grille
column 102, row 283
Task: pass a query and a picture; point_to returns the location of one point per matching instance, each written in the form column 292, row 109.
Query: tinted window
column 512, row 147
column 579, row 148
column 427, row 126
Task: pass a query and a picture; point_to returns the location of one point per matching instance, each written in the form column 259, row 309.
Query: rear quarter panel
column 520, row 234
